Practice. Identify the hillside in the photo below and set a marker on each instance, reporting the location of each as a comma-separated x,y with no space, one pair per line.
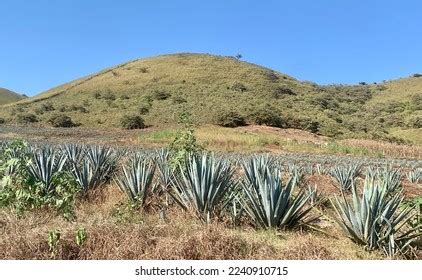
160,88
7,96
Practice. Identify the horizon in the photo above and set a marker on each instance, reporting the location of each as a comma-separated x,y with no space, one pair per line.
326,43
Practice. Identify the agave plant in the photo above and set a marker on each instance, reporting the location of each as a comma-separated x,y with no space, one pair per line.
73,152
316,198
137,179
46,163
269,202
375,220
321,169
85,175
95,168
257,165
414,176
390,178
296,171
165,171
371,175
203,184
345,175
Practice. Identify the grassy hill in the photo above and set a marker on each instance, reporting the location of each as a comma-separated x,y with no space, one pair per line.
7,96
218,89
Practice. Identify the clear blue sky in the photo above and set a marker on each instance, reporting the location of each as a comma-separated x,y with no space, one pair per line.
46,43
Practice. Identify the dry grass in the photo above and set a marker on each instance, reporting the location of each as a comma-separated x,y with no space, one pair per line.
267,139
387,149
146,236
179,239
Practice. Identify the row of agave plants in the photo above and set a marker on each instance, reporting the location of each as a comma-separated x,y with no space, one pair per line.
256,187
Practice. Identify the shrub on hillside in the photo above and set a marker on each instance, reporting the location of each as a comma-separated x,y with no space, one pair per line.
230,119
109,96
239,87
304,123
178,100
417,75
46,107
271,76
26,118
413,122
282,91
143,109
61,120
161,95
2,121
267,116
132,122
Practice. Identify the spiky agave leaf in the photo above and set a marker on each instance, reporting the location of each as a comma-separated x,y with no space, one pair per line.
137,179
103,160
85,175
374,219
95,168
269,202
345,175
73,152
202,185
165,170
257,165
415,175
46,162
390,178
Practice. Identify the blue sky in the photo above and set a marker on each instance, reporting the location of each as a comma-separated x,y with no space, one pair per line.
46,43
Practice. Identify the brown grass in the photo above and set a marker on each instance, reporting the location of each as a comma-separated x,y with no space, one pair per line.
387,149
146,236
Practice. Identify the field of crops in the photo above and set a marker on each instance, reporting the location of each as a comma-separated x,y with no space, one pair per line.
376,203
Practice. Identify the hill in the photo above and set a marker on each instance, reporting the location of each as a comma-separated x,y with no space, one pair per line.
218,90
7,96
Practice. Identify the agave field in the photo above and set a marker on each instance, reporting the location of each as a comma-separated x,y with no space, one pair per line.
261,191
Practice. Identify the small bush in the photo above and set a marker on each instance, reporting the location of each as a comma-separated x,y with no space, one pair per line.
271,76
132,122
230,119
79,108
61,120
304,123
143,109
161,95
239,87
2,121
109,96
178,100
414,122
417,75
143,70
267,116
282,91
26,118
46,107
